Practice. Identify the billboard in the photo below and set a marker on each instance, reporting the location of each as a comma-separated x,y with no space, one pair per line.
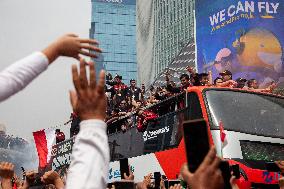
245,37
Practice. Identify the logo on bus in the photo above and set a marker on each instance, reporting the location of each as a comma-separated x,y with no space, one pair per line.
148,135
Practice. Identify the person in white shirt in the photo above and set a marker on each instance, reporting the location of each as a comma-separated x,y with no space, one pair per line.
21,73
90,155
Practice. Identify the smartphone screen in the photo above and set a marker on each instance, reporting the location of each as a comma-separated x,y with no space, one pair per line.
124,185
124,167
226,173
236,171
173,182
196,142
157,177
272,167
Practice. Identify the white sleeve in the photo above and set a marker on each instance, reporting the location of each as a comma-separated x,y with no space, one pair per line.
90,157
21,73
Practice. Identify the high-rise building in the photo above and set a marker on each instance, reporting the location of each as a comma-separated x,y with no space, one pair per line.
172,27
145,41
114,26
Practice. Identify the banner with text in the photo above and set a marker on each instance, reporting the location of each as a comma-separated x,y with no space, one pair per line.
244,37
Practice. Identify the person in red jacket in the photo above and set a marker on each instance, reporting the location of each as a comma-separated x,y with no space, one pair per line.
144,117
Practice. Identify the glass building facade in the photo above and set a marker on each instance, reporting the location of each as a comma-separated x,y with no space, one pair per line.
174,26
145,41
165,27
114,26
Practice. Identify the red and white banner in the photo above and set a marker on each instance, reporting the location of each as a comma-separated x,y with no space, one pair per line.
44,140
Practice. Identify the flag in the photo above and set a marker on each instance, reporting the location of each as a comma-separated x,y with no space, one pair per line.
44,140
222,132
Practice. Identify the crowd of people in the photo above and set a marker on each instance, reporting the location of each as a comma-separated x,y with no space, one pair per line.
12,143
95,108
130,105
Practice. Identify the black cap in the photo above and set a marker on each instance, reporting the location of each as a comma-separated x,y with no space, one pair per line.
118,76
225,72
240,79
203,74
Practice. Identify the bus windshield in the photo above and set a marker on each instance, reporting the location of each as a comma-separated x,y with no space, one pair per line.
244,112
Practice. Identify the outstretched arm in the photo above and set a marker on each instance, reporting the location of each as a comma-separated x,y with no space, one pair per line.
6,173
90,156
21,73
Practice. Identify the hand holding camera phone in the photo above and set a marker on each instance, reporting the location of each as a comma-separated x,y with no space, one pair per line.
124,167
197,146
157,177
33,178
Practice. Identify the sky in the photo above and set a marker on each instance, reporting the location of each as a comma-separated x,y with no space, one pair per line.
28,26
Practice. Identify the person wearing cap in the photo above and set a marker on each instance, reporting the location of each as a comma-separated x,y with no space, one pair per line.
227,79
241,83
226,75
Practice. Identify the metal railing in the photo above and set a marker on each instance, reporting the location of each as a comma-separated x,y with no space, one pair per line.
168,105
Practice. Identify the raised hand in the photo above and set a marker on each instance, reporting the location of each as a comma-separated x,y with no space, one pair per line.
280,164
6,173
89,99
147,180
52,177
191,70
208,175
130,177
71,45
167,74
6,170
176,186
232,82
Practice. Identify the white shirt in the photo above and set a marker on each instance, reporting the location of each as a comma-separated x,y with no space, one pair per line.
21,73
90,157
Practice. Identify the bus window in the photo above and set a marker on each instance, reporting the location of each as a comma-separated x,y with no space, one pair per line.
194,108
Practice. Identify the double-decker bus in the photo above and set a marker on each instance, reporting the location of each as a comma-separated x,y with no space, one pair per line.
252,121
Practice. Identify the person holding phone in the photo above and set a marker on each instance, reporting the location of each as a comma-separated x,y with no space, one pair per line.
207,175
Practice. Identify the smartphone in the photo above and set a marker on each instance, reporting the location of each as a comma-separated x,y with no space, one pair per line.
236,170
37,181
109,185
166,182
157,177
226,173
24,173
272,167
124,168
173,182
124,185
196,142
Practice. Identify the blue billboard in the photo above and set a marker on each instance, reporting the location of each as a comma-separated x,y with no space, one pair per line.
245,37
